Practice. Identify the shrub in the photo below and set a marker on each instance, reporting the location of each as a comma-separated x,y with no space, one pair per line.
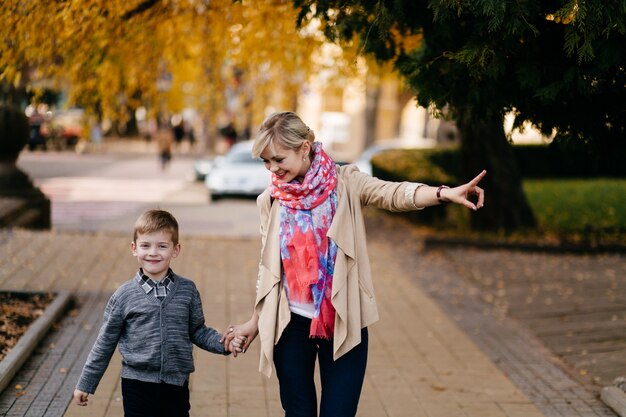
557,160
418,165
424,165
571,159
589,209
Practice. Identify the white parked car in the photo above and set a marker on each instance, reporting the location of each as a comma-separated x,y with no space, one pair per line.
202,167
364,162
237,173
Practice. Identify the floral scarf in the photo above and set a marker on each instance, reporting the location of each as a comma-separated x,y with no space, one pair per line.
308,255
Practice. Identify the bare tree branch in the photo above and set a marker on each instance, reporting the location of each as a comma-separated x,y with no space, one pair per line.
142,7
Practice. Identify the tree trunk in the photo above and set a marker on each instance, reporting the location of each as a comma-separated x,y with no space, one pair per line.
372,101
484,146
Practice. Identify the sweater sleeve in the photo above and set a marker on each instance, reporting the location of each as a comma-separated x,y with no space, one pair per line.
103,348
201,335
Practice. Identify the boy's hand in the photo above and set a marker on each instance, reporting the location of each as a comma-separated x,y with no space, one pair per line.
244,334
80,397
236,345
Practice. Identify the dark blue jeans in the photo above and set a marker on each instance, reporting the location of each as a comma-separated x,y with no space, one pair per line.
342,380
149,399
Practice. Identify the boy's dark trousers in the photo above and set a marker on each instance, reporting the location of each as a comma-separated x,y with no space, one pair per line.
149,399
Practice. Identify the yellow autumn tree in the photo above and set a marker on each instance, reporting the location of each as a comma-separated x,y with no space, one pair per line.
115,55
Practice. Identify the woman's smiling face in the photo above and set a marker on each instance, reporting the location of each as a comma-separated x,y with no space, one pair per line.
286,163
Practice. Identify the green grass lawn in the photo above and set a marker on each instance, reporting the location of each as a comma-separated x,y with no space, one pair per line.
579,208
590,211
575,211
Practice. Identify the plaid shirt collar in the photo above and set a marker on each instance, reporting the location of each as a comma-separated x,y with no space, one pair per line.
161,288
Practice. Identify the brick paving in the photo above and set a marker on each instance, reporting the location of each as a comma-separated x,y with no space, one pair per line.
426,359
574,303
497,296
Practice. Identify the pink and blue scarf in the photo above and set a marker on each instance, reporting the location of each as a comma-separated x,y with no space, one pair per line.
308,255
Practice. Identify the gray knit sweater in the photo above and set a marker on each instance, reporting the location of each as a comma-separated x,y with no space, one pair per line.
155,337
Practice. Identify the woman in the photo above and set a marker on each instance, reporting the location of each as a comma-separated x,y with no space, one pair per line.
315,297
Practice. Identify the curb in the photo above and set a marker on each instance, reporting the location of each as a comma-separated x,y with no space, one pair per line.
29,340
432,243
614,398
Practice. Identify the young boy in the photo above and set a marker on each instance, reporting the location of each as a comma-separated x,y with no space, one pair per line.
154,317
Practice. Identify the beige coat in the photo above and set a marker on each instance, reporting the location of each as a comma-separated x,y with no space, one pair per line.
352,292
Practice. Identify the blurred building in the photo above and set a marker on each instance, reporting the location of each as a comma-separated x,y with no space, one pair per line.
368,110
375,108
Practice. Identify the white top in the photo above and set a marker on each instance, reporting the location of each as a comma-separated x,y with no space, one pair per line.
302,309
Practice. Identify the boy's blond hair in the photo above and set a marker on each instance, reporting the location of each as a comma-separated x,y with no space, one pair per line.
156,221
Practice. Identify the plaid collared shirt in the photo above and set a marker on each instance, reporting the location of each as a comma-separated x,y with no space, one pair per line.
161,288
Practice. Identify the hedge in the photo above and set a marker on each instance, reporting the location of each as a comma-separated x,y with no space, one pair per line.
440,166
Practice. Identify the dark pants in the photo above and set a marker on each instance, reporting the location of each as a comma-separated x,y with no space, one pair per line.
294,359
149,399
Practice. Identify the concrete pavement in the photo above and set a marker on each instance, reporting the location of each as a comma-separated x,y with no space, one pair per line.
421,362
430,355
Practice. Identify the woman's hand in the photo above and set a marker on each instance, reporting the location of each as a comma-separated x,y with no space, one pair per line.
460,194
245,333
236,345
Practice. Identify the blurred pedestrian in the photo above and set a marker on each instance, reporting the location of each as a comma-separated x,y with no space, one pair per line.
178,128
190,135
96,135
229,133
155,317
164,145
315,297
36,122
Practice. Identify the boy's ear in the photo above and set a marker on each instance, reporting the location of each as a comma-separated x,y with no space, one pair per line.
176,250
133,248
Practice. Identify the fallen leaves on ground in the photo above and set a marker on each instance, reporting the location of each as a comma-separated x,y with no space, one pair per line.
18,311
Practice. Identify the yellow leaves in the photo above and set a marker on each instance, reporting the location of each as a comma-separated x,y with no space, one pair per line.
565,15
19,390
18,311
106,52
437,387
8,73
566,20
406,42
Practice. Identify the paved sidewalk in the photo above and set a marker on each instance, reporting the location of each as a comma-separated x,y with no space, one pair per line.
421,363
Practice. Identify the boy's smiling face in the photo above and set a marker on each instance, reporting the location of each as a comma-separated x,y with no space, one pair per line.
154,252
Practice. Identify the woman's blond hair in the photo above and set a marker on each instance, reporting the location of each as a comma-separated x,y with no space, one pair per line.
282,128
156,220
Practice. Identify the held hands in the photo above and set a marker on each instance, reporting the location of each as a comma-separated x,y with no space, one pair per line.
236,345
238,338
80,397
460,194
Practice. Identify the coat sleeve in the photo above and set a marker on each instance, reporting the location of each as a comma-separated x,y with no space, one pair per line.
387,195
264,204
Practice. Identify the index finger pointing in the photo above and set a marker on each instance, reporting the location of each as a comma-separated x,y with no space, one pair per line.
478,177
